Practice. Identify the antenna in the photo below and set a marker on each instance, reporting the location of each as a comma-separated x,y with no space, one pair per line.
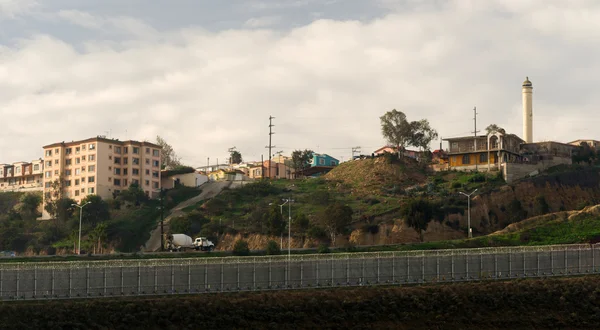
475,131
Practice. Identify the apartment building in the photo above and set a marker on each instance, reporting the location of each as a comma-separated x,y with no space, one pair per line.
102,167
22,176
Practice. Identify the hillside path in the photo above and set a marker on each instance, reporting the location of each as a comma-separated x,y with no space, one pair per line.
209,190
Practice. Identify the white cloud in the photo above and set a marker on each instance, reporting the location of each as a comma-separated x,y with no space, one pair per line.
14,8
261,22
326,83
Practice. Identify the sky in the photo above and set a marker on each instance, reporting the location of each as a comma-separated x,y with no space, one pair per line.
206,75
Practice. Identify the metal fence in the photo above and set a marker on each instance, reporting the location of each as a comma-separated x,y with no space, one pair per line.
53,280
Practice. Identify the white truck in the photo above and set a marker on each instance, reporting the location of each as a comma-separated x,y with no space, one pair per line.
179,242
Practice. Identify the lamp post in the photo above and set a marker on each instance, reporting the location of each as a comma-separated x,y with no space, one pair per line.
162,217
80,217
289,202
470,234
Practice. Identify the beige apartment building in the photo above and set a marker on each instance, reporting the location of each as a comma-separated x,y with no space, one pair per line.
22,176
102,167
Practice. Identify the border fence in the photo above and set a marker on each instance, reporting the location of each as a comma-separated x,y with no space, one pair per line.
77,279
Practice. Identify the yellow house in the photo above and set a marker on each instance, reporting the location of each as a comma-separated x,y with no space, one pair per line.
483,152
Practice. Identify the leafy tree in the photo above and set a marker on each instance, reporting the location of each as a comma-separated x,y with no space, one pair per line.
301,160
273,248
180,225
169,158
301,224
134,194
98,238
492,128
96,211
235,157
584,154
422,134
28,206
335,218
59,207
274,221
396,129
418,213
241,248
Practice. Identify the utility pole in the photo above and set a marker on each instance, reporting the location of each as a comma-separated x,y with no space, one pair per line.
475,131
354,150
270,146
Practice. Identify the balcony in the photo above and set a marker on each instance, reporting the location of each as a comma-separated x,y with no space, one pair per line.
463,149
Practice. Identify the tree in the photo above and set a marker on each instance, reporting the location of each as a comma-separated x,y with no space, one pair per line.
180,225
301,160
493,128
422,134
134,194
235,157
273,248
540,205
96,211
335,218
274,221
584,154
28,206
169,158
97,238
418,213
240,248
396,129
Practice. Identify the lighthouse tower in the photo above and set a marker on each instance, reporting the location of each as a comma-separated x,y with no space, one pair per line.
527,111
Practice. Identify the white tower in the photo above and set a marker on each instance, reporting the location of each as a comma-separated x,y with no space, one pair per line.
527,111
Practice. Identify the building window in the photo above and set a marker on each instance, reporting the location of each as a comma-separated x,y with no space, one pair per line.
90,190
67,172
155,153
77,192
483,158
36,167
49,163
83,181
136,150
125,161
148,150
321,161
147,182
77,171
77,149
48,153
134,181
76,182
125,150
68,151
135,171
83,147
155,163
117,150
125,172
83,169
92,158
56,151
67,183
77,160
48,184
117,171
154,184
67,162
91,179
117,182
83,158
117,160
466,160
55,172
147,161
124,182
333,163
109,157
92,146
136,161
48,174
147,172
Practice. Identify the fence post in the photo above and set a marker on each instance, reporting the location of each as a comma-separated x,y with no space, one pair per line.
593,261
423,267
173,276
551,261
35,280
538,263
524,259
2,282
238,274
467,265
393,267
87,279
362,274
139,277
566,261
301,271
579,260
222,284
317,261
332,279
189,276
480,265
510,263
206,286
437,266
70,286
347,268
270,272
407,269
155,279
51,279
452,263
254,274
121,268
18,273
104,279
285,274
378,272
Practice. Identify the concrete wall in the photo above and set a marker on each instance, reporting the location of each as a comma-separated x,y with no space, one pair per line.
187,179
515,171
50,280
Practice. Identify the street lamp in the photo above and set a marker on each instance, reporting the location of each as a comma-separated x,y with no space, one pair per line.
289,202
162,217
470,234
80,216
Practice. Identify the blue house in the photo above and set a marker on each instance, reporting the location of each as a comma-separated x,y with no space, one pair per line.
323,160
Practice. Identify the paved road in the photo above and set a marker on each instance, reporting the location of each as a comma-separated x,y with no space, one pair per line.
209,190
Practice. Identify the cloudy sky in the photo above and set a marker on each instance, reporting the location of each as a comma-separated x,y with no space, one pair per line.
206,75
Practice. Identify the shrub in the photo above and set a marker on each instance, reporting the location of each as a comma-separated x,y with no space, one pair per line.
316,232
541,206
456,184
241,248
323,248
273,248
478,177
